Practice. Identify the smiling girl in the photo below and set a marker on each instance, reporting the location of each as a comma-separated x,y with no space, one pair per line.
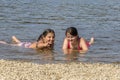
45,40
74,42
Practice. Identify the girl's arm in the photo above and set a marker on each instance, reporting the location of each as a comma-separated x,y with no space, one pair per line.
83,45
65,43
42,44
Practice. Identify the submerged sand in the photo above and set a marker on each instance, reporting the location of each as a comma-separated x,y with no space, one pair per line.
18,70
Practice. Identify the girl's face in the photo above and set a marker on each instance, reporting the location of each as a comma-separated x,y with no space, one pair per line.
71,38
49,38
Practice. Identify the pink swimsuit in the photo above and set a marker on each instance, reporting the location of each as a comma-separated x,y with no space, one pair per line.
79,48
25,44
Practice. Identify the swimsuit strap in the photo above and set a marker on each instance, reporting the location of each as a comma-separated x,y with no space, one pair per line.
68,45
79,48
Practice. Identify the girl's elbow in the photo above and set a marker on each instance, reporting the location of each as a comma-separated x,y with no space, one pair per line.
86,49
64,48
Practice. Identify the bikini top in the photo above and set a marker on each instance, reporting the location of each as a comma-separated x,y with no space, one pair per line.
79,48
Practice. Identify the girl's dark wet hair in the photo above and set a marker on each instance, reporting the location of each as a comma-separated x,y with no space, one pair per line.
72,30
44,34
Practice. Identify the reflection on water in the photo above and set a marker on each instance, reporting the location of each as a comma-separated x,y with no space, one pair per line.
47,54
28,18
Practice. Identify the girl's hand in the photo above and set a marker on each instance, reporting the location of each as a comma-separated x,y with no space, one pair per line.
46,44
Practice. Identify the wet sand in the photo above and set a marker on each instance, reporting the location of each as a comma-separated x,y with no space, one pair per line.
18,70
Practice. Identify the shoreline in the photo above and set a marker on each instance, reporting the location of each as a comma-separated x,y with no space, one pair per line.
18,70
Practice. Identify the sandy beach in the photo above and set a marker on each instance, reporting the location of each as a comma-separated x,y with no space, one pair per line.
18,70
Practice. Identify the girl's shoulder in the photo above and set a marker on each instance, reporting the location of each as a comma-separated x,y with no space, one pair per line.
81,39
65,40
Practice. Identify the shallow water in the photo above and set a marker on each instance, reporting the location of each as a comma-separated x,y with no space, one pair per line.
27,19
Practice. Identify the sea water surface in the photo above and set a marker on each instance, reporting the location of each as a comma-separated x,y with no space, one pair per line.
27,19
